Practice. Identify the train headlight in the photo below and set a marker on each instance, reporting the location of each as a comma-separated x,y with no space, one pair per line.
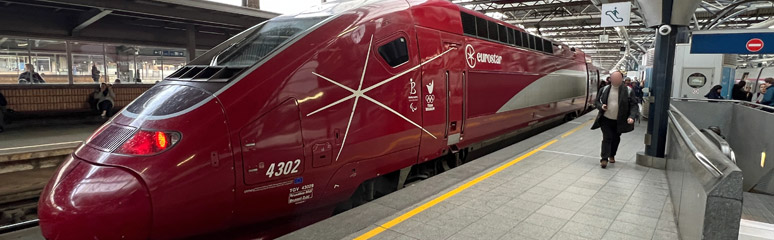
149,142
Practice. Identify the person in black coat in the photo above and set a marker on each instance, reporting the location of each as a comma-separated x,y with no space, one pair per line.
30,76
739,92
617,110
714,93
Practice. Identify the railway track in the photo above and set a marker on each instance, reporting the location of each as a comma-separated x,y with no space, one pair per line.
21,209
24,171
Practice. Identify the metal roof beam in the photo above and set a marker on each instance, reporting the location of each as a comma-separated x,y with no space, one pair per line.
89,17
549,6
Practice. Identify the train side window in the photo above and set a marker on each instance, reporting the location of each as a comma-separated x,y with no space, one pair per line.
468,23
526,39
493,31
395,52
517,37
503,33
481,28
539,43
548,46
532,41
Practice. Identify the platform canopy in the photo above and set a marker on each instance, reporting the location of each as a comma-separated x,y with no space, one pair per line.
168,23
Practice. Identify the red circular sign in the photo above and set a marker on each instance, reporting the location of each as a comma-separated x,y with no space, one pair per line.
754,45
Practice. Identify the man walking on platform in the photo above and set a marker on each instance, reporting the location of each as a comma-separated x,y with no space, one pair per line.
617,110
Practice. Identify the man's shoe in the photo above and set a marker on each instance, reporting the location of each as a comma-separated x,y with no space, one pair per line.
603,163
612,159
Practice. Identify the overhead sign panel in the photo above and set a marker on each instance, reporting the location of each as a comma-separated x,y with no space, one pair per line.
616,14
760,41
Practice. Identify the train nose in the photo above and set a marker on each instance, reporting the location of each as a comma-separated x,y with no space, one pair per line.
87,201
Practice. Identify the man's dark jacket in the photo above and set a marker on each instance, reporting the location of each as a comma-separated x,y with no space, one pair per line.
627,107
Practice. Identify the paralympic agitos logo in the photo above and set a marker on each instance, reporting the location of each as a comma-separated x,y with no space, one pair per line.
473,58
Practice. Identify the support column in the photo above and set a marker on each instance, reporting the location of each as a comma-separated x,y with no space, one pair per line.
191,46
69,51
663,64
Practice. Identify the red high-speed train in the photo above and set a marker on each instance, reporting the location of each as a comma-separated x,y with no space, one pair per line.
323,109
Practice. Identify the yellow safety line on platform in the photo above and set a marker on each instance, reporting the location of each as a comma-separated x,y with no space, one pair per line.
459,189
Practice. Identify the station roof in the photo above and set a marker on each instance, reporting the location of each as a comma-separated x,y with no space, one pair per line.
145,22
577,22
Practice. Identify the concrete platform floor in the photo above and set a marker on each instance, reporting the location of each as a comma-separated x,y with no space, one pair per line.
16,138
536,189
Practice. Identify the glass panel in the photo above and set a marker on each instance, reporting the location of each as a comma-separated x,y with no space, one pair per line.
493,31
149,69
264,40
88,62
538,43
395,52
525,39
153,64
503,33
481,27
50,60
14,55
517,37
548,47
121,65
510,36
468,23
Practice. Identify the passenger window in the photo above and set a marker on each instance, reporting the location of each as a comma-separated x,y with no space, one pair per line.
517,38
533,42
511,40
493,31
527,40
468,23
548,46
395,52
503,33
481,28
539,43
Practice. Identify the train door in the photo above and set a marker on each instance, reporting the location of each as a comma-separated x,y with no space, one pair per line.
442,91
455,80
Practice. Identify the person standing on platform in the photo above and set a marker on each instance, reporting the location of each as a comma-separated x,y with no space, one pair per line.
741,92
95,72
714,93
617,111
761,93
768,98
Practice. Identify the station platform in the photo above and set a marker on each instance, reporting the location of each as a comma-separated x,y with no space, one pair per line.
549,186
42,136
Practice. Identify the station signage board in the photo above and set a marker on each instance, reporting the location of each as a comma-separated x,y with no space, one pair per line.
760,41
616,14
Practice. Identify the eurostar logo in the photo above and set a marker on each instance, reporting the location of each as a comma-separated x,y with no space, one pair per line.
470,56
361,93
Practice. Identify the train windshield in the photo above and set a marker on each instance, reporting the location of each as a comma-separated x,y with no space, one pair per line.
263,40
258,42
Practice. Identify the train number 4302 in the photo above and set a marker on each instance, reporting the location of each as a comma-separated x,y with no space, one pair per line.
283,168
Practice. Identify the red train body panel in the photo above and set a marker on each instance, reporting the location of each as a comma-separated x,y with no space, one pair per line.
314,107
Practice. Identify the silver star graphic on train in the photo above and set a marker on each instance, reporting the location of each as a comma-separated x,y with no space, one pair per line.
361,93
